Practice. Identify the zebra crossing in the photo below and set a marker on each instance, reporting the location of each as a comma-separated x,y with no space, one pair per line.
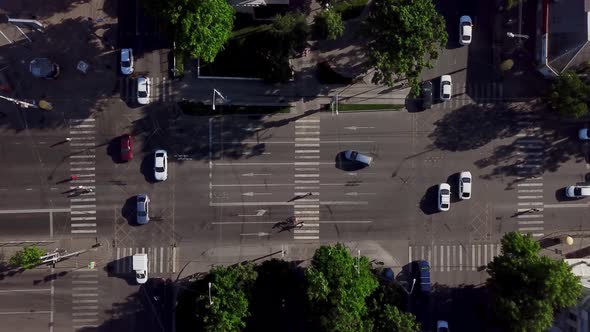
530,147
482,94
455,257
82,170
85,298
307,178
160,89
160,259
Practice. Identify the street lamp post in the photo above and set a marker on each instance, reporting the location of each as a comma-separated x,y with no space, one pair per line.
215,92
210,301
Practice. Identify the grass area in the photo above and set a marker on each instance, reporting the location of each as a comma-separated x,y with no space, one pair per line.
201,109
350,8
367,107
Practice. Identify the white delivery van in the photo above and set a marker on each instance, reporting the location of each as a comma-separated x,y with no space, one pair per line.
140,267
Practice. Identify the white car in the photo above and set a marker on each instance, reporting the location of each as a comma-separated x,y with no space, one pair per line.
583,134
143,90
355,156
161,165
446,87
465,30
444,197
126,61
442,326
465,182
577,191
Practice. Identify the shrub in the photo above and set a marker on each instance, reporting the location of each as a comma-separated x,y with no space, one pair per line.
328,24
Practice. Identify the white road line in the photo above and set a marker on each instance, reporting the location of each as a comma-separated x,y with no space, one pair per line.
82,120
82,200
83,212
303,132
306,231
82,156
307,206
85,307
84,282
84,181
83,138
530,222
575,205
25,290
307,169
442,253
84,294
82,314
307,188
84,288
84,231
530,190
307,212
288,203
307,157
460,259
82,162
530,185
85,301
410,254
83,206
25,312
307,145
307,127
307,181
307,163
530,197
307,151
33,211
538,234
81,132
307,139
473,257
527,166
296,237
82,218
528,216
85,175
530,203
308,218
307,121
83,225
82,169
305,193
307,175
82,144
525,229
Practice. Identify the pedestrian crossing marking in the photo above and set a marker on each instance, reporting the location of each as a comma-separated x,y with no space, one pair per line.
451,257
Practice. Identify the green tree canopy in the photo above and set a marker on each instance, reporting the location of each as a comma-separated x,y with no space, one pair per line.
230,291
384,311
529,288
200,27
404,36
27,258
328,24
338,285
569,95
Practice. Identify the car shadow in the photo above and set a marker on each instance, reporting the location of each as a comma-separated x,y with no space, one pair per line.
147,168
122,268
347,165
129,211
561,197
114,150
453,181
428,203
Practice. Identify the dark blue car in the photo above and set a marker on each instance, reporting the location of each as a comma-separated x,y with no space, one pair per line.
424,276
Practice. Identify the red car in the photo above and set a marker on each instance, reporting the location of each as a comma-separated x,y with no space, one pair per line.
126,147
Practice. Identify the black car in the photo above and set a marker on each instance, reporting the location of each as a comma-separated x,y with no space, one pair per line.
426,95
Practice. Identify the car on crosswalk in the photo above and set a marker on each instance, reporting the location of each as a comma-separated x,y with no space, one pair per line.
422,275
126,61
577,191
465,181
446,87
465,30
143,90
161,165
444,197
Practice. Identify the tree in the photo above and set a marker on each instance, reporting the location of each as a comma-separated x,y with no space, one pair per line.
27,258
230,291
404,37
569,95
385,314
290,32
337,288
529,288
328,24
200,27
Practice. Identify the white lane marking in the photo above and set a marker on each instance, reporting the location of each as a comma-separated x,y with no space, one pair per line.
306,231
530,190
307,127
82,138
82,169
460,259
83,225
83,212
473,257
530,203
81,156
82,144
85,307
311,206
84,231
85,301
303,132
82,120
288,142
530,222
85,175
84,181
287,203
525,229
538,234
307,145
527,216
307,157
307,139
25,290
82,218
307,169
307,181
307,151
85,288
85,282
308,218
33,211
307,175
25,312
529,209
307,188
296,237
307,212
530,197
76,132
82,200
303,193
530,185
307,120
576,205
82,162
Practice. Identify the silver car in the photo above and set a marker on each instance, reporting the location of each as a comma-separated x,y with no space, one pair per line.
356,156
126,61
143,90
143,209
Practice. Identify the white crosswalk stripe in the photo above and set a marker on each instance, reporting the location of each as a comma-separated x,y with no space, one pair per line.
455,257
160,259
81,144
478,93
85,297
160,89
306,207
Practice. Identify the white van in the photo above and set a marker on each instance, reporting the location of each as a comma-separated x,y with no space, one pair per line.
140,267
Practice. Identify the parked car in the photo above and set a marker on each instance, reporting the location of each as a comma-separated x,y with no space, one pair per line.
465,182
126,61
126,147
426,95
359,157
444,197
465,30
143,209
577,191
583,134
423,276
44,68
442,326
143,90
446,87
160,165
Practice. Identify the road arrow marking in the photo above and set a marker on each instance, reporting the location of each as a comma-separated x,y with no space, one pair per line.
255,194
354,193
259,213
356,128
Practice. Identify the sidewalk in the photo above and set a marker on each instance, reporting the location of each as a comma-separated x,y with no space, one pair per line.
391,253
